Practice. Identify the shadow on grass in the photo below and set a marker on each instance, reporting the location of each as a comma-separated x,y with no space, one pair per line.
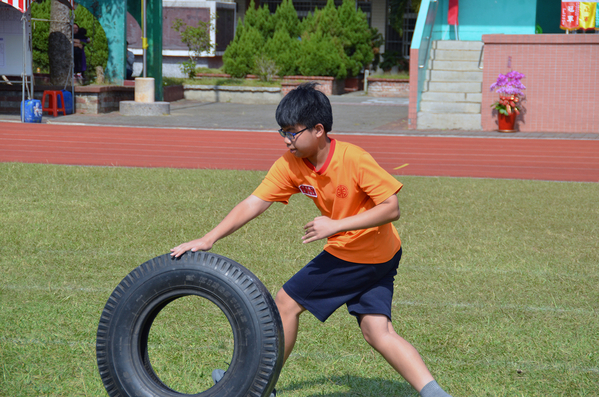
356,385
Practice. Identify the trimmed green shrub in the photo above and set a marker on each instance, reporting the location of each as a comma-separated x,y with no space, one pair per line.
321,55
284,50
286,18
330,42
260,19
239,59
356,37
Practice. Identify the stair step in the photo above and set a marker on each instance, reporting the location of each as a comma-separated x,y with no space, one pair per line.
457,45
449,55
450,107
452,97
455,76
470,66
449,121
435,86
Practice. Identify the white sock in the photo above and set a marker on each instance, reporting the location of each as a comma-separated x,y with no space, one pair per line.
432,389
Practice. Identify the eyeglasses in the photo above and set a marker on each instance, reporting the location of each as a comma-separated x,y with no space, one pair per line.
291,135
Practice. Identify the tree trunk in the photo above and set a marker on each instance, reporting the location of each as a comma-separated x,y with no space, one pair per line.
60,45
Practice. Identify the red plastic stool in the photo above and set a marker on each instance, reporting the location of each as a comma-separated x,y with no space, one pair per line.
52,107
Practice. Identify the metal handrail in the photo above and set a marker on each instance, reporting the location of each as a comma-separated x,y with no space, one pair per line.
480,58
430,21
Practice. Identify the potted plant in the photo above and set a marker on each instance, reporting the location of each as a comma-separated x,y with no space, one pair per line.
509,87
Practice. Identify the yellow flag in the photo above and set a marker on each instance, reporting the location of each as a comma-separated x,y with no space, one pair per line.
587,15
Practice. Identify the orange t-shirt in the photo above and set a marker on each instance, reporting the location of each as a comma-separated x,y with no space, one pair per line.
349,183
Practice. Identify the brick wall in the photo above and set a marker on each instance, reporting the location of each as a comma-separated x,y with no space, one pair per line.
101,99
388,87
562,80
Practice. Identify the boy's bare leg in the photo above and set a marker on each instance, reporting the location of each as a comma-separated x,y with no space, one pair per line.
290,311
403,357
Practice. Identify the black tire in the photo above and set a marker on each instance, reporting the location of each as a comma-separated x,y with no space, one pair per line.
122,338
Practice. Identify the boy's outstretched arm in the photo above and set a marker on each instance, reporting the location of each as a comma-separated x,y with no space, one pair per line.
243,212
323,227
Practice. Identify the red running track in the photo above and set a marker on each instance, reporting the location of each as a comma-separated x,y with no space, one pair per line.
540,159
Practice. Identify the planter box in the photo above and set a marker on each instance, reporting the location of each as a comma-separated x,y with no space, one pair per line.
173,93
327,85
92,99
233,94
388,87
353,84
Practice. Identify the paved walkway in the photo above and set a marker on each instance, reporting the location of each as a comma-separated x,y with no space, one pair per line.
353,113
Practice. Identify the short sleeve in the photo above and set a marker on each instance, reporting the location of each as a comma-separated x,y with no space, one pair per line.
277,186
377,183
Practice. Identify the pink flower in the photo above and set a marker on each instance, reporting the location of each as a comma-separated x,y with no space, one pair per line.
509,84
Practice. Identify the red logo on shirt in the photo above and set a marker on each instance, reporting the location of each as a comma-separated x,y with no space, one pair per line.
308,190
342,191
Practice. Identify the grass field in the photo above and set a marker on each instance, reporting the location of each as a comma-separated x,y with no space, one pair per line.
498,287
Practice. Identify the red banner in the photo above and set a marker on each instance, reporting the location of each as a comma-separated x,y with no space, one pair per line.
570,15
579,15
452,13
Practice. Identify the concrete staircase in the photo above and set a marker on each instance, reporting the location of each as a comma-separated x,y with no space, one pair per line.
452,94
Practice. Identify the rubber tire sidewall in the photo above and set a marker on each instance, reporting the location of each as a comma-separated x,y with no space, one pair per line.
128,315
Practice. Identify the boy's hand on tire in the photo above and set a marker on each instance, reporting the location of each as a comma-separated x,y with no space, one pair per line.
200,244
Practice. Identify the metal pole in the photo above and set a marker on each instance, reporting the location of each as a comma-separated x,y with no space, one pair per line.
73,61
24,70
144,39
30,46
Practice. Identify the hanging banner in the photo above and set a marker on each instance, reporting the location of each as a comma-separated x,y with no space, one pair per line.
579,15
452,12
587,15
23,5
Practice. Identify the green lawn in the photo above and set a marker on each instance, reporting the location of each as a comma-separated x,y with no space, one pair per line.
498,287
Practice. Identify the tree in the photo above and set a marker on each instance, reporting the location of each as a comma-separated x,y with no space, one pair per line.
260,19
60,45
284,50
321,55
239,58
40,35
197,40
397,11
285,17
356,37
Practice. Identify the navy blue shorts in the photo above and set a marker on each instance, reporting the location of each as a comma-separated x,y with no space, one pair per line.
327,282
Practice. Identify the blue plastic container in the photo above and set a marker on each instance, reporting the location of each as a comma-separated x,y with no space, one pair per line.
32,111
68,101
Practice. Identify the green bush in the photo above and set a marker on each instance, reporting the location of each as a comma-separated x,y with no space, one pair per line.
286,18
284,50
239,59
356,37
334,41
321,55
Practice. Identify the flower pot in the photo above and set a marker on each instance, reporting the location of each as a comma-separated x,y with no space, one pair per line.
506,123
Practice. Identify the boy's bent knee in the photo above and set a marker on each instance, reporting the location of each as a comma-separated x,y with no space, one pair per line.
287,305
374,327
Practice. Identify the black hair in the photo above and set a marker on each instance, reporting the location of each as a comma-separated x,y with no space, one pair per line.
306,106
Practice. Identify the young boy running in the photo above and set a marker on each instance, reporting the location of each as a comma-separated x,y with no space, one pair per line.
358,202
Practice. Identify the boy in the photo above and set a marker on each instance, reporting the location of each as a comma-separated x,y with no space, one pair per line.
358,202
